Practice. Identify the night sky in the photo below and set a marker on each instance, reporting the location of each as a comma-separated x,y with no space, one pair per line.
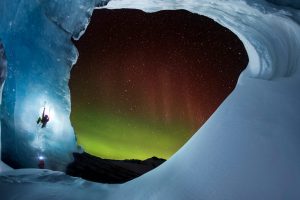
145,83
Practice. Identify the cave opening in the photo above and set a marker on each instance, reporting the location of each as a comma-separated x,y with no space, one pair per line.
144,83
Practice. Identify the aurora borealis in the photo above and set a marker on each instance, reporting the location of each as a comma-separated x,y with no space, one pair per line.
145,83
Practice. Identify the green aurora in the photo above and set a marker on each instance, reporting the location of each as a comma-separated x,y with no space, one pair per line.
137,138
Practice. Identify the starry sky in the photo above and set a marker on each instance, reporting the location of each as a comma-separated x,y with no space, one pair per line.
145,83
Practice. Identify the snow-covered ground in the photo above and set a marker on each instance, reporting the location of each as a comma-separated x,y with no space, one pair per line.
248,149
36,184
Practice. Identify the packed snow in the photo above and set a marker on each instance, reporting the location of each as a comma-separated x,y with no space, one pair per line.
248,149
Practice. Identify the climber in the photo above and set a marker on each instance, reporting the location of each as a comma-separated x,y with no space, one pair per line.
43,120
41,163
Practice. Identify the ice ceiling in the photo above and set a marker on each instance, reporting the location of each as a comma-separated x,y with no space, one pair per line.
248,149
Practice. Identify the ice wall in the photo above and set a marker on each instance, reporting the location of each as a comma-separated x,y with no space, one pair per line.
37,38
3,70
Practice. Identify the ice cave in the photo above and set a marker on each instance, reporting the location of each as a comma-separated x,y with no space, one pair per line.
248,149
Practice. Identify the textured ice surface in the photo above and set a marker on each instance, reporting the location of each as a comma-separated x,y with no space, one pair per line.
248,149
3,70
37,38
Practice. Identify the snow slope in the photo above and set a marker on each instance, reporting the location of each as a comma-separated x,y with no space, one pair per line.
248,149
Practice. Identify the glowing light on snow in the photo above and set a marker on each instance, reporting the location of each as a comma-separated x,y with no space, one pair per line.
41,157
30,110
